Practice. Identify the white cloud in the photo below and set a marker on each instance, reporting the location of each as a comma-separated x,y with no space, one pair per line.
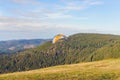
37,19
57,15
24,2
26,25
79,4
18,24
54,11
93,2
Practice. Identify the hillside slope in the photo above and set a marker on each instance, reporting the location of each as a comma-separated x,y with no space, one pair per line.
77,48
109,51
99,70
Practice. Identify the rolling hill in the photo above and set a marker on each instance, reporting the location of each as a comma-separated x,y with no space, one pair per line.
77,48
13,46
98,70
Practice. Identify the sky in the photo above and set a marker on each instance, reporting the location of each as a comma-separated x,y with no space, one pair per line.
36,19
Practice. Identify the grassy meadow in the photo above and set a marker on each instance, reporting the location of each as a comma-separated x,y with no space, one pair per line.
98,70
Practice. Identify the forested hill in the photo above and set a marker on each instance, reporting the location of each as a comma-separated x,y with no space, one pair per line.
77,48
98,70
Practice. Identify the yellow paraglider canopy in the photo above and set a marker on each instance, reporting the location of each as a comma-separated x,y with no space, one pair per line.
57,37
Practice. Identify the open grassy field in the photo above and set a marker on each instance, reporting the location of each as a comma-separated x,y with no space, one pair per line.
98,70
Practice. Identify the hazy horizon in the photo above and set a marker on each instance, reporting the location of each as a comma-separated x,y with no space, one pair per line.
43,19
53,36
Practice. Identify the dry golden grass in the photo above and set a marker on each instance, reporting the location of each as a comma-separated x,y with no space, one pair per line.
99,70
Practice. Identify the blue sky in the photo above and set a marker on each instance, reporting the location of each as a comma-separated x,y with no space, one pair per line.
29,19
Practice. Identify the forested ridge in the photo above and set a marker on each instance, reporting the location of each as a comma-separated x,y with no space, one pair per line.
77,48
98,70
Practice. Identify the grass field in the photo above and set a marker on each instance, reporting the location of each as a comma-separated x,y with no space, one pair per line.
99,70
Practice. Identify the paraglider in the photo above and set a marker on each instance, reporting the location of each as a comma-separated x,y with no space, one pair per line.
58,37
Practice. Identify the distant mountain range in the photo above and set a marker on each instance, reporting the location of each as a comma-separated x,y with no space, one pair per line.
14,46
77,48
